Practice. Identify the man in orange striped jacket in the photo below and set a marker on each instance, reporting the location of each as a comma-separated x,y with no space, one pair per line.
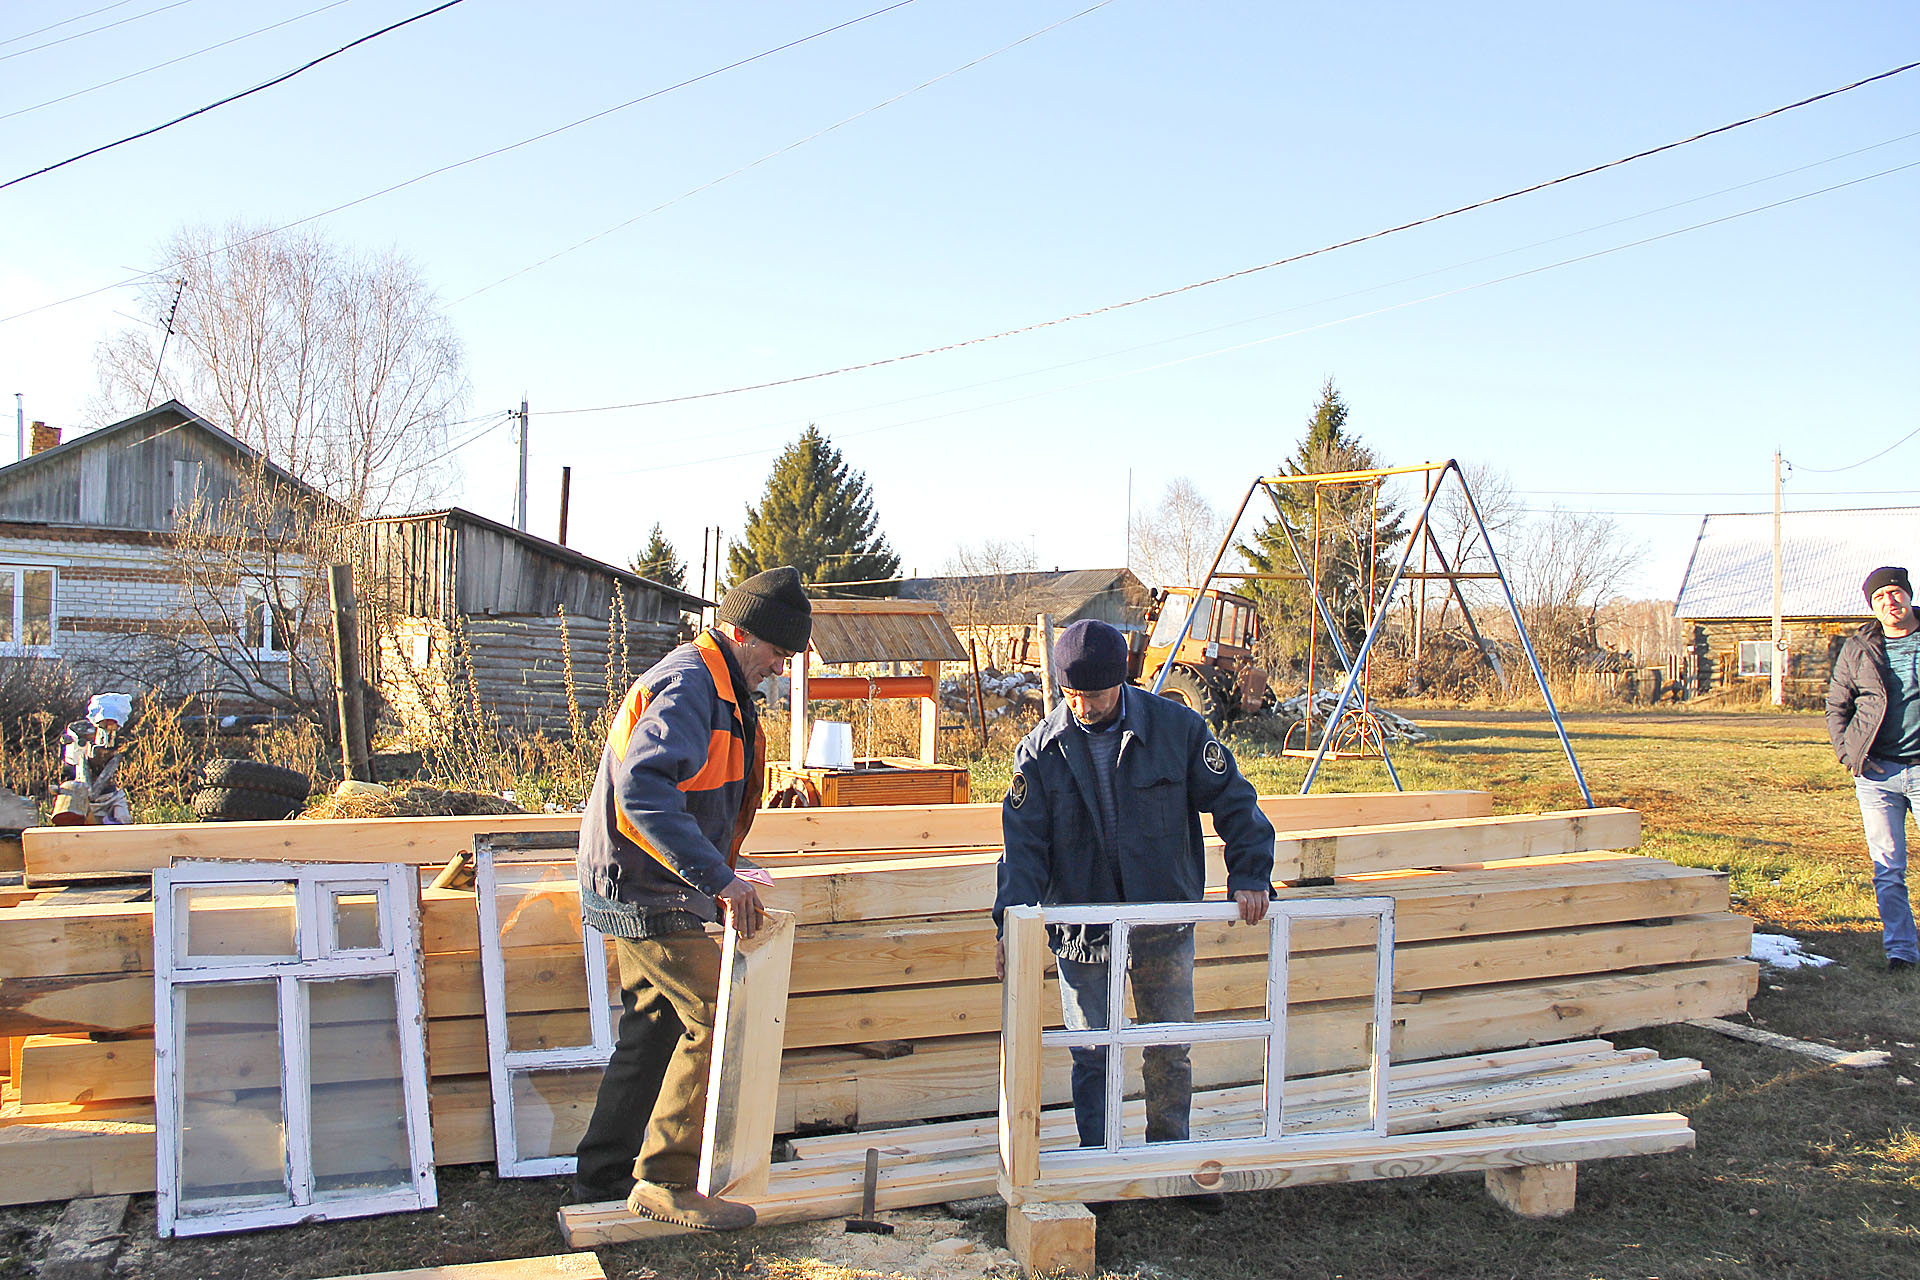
678,784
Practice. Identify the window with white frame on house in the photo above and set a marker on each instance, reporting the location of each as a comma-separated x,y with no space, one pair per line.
27,618
1756,657
262,623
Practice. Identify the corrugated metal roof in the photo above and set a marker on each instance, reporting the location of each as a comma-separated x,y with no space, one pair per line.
883,631
1825,555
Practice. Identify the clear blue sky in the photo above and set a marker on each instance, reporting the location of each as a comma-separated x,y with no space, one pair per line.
1137,148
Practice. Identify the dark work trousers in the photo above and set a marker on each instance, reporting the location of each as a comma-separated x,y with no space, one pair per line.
652,1103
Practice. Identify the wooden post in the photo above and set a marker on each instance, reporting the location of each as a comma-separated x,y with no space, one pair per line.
979,698
566,494
346,673
1046,661
744,1080
1024,936
930,715
797,709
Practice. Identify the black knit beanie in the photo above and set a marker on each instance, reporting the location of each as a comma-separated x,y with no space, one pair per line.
772,606
1090,656
1887,575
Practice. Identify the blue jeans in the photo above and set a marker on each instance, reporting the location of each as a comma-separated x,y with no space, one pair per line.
1887,794
1161,969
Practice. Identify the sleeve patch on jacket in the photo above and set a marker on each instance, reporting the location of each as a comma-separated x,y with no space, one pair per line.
1017,790
1214,756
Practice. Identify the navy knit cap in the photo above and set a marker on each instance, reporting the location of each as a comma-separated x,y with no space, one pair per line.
773,606
1887,575
1090,656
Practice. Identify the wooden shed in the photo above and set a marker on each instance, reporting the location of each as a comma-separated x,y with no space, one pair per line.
1725,603
997,611
469,610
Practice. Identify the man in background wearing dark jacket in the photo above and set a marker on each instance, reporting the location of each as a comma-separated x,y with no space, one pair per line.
1105,806
678,784
1873,717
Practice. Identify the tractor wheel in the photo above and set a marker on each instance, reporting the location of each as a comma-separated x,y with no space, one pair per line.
1189,690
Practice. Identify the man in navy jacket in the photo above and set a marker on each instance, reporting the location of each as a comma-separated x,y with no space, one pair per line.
1105,806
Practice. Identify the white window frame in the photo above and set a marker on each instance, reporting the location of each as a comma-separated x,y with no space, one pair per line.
264,593
1763,651
398,957
1272,1027
502,1062
18,569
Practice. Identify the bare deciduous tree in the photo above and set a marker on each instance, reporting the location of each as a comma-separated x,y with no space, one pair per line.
1174,543
1457,533
337,366
984,579
1566,566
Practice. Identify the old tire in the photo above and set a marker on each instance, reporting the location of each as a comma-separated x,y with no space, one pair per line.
255,775
1189,690
243,804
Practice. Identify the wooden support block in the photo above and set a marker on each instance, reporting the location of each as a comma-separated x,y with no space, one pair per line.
1049,1239
559,1266
743,1090
1535,1191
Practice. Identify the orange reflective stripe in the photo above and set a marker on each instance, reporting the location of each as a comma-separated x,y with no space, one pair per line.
716,667
726,762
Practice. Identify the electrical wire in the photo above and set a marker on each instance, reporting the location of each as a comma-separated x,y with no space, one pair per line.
1247,271
459,164
28,35
1294,333
771,155
1873,457
158,66
200,111
90,31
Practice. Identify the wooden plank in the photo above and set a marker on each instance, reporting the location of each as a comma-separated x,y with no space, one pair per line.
56,855
1141,1174
1020,1058
558,1266
1051,1239
744,1084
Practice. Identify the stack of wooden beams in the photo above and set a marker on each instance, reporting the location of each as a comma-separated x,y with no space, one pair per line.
1509,931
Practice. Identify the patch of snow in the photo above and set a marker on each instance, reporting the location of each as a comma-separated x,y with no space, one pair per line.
1781,952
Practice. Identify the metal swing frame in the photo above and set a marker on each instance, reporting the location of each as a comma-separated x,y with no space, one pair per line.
1364,728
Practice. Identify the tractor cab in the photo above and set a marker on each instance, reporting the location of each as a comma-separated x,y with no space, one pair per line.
1213,669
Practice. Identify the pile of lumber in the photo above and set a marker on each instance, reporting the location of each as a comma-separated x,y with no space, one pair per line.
1510,931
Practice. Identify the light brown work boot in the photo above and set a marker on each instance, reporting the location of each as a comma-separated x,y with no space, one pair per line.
685,1207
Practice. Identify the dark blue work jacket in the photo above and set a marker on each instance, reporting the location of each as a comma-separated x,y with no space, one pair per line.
1170,769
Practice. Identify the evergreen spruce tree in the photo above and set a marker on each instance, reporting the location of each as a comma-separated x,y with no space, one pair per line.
659,562
1350,534
817,515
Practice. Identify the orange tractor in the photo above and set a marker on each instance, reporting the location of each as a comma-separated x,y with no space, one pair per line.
1213,671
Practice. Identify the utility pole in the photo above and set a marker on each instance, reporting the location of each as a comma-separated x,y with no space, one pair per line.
566,494
520,500
20,422
1779,661
705,529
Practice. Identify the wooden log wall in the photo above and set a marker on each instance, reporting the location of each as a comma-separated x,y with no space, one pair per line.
1496,950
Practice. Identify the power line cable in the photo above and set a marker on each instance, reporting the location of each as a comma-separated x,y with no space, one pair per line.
92,30
52,26
1294,333
771,155
458,164
1874,457
1247,271
280,79
158,66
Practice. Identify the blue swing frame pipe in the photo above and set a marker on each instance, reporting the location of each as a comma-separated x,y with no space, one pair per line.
1526,642
1326,620
1186,625
1373,633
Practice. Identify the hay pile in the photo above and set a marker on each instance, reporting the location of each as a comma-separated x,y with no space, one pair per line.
416,801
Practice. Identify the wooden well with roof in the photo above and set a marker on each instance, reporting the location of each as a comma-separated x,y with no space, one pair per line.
868,633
